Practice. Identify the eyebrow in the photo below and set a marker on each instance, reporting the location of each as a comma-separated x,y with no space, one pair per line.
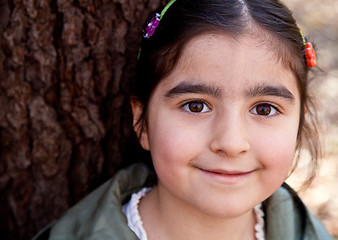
185,88
267,90
259,90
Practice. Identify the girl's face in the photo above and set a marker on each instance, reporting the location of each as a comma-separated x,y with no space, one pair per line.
222,127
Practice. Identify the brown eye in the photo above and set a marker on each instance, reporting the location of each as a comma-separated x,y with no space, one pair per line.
196,107
264,109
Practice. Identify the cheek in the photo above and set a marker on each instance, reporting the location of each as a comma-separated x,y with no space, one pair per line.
172,146
169,144
277,151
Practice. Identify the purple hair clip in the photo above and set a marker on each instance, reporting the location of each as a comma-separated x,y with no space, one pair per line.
152,25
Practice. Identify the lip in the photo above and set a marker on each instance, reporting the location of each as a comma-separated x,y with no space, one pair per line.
227,176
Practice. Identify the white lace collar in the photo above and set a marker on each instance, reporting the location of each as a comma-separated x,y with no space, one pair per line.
130,209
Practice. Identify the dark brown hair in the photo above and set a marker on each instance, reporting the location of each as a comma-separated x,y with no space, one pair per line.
186,19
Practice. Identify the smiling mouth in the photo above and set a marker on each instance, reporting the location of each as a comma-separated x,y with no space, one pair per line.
227,176
223,172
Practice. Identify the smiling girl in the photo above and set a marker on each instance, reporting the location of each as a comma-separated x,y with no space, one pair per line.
220,101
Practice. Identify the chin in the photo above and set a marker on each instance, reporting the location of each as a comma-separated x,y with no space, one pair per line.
226,211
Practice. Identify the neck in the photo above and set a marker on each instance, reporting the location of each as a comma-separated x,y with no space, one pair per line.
167,218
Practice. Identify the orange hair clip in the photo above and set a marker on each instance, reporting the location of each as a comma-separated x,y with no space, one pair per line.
309,53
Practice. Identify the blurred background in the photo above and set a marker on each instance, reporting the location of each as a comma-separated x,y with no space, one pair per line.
65,70
318,20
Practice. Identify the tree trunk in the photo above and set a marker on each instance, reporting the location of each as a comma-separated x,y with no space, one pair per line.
65,67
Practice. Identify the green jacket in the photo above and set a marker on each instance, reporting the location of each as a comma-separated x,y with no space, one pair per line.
99,215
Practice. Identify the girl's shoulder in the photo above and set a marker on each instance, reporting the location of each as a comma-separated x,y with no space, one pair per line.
99,215
288,218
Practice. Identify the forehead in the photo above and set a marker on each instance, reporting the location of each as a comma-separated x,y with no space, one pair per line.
223,59
226,46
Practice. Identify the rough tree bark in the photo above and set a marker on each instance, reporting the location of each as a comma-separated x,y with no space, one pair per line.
64,70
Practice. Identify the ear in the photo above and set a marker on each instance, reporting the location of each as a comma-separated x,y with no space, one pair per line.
139,128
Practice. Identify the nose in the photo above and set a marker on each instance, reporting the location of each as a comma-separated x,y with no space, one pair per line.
230,136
